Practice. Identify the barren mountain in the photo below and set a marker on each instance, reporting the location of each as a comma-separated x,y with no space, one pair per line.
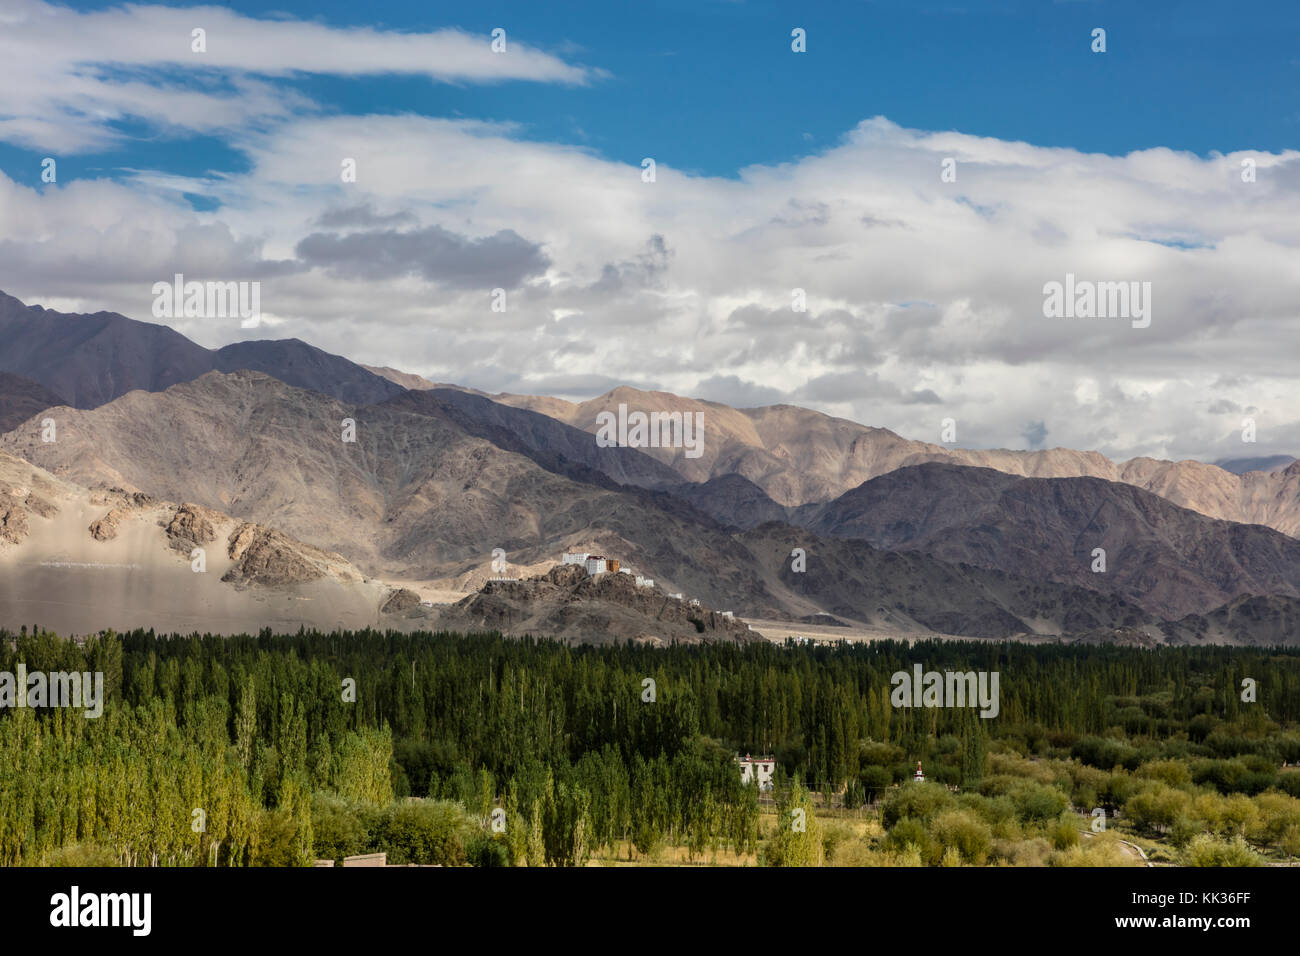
734,501
1169,560
556,447
914,592
304,366
93,359
415,496
419,497
798,456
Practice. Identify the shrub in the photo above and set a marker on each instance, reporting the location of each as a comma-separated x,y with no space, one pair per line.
1034,852
1184,830
426,831
80,854
1206,850
911,834
1290,842
920,801
1102,752
1094,852
1172,773
964,832
1063,834
1289,782
1036,803
338,829
1157,809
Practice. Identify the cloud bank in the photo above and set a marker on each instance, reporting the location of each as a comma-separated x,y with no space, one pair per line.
922,299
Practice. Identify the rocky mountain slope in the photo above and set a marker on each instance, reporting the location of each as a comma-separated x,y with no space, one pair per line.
913,592
1255,620
1168,560
798,456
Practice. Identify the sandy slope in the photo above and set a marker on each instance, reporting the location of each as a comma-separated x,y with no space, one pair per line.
60,577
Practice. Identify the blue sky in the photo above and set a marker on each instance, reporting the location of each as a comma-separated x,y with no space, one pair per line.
712,86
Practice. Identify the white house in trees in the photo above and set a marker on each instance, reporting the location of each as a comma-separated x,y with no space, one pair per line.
757,768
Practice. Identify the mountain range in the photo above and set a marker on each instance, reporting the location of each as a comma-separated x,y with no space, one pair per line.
414,485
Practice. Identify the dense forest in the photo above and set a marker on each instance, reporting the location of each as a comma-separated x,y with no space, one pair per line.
439,748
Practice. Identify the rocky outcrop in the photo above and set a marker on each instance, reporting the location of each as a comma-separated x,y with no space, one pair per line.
123,501
269,558
13,519
192,526
38,505
400,601
105,529
566,603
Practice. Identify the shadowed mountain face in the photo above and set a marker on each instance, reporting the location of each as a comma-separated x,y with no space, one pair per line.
734,501
557,447
1169,560
304,366
21,399
914,591
93,359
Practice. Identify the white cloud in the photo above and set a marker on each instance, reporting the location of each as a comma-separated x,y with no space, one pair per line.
67,77
924,297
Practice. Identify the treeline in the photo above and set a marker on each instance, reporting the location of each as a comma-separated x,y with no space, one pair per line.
296,746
